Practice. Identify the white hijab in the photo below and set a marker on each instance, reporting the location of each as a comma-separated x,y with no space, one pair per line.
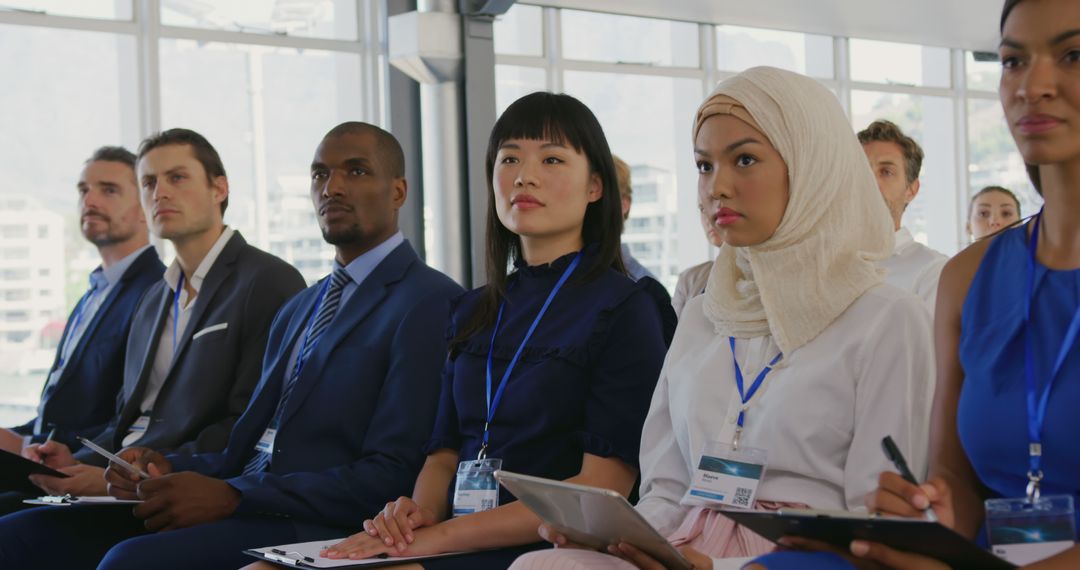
822,256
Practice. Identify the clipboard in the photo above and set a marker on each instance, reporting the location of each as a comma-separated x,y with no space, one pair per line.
839,529
68,500
14,470
306,555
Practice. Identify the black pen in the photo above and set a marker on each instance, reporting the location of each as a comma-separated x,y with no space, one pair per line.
892,453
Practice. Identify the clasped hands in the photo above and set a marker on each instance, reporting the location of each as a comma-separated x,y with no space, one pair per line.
402,528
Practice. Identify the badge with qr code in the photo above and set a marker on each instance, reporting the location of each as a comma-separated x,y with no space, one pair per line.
726,476
476,488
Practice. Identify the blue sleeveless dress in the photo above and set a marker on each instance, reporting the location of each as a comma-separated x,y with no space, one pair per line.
992,416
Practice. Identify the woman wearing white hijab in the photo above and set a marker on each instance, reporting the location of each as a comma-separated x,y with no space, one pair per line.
794,290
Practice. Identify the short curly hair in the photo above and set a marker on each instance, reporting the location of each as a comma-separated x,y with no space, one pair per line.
887,131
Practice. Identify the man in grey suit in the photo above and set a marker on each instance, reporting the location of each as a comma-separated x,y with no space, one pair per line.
197,337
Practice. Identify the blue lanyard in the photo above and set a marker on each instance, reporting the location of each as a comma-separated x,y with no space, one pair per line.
745,395
300,358
1036,403
492,405
80,312
176,310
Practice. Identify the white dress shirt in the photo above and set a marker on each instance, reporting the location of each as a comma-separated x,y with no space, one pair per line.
914,268
165,350
820,415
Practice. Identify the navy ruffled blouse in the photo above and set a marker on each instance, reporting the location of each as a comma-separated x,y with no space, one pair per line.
583,383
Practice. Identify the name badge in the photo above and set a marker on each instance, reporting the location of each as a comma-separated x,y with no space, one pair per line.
266,442
1025,531
726,476
476,488
140,425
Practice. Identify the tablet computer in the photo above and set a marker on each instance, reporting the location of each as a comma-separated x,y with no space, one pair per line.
591,516
839,529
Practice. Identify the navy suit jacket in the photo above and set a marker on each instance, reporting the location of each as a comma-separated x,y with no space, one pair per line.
216,365
352,433
83,400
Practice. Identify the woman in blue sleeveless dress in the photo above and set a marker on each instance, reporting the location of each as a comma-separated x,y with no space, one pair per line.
985,332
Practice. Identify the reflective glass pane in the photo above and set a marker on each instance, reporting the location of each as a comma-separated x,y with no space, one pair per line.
932,217
619,39
75,92
520,31
994,160
512,82
101,9
265,110
333,19
903,64
982,75
647,124
739,48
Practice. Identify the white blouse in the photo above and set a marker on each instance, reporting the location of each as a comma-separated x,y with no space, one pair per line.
820,414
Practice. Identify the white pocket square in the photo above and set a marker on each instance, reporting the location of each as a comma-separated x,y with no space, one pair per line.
210,329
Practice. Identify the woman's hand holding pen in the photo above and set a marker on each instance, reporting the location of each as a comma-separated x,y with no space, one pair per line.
897,497
397,521
124,485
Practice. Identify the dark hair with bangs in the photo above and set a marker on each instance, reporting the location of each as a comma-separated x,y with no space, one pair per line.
562,119
1032,169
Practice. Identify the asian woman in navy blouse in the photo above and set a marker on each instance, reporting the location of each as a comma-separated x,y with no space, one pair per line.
578,389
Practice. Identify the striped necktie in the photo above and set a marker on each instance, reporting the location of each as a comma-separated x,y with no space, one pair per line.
317,327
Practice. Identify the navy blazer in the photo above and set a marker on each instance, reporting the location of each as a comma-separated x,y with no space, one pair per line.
216,365
83,400
352,433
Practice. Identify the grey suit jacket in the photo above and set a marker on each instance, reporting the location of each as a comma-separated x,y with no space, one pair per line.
214,373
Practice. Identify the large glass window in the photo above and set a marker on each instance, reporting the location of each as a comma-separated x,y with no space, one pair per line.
264,101
619,39
333,19
75,91
656,145
520,31
100,9
513,82
739,48
265,110
900,64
